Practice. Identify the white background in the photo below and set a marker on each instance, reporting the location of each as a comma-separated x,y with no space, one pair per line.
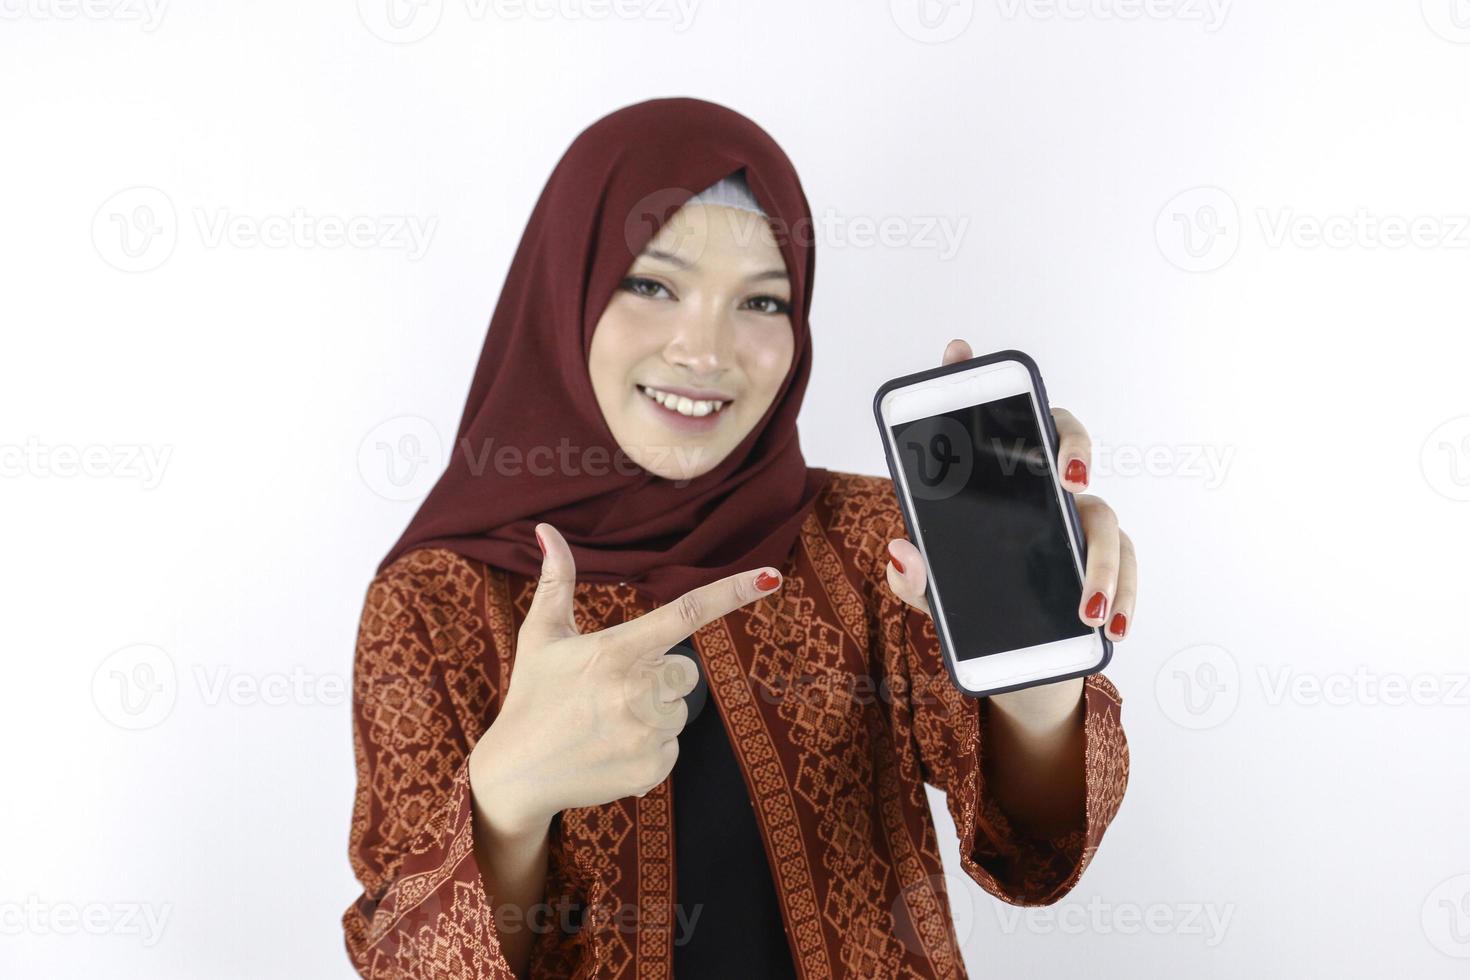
1302,520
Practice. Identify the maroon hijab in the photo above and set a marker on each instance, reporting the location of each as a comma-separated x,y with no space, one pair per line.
532,443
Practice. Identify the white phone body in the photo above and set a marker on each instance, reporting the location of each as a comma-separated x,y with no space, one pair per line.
961,386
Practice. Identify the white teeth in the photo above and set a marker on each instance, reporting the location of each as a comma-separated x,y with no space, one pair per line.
682,405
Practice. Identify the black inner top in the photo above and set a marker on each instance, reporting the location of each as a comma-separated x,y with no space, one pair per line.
728,920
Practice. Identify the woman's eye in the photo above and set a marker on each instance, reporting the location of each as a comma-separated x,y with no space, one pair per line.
640,286
769,305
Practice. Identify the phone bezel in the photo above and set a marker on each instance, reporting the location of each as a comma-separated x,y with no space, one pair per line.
999,672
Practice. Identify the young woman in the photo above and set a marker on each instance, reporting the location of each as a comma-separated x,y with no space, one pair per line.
544,788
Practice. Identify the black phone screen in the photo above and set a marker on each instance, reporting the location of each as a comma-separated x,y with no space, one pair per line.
992,526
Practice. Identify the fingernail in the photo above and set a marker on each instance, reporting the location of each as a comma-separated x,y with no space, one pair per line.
765,581
1077,472
896,564
1119,625
541,544
1097,605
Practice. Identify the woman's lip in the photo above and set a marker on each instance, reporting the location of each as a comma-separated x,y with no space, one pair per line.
684,423
694,394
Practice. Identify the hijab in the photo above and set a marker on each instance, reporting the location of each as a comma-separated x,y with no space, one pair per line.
532,443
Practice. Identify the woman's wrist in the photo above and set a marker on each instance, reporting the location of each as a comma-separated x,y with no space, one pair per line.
507,819
1042,708
505,805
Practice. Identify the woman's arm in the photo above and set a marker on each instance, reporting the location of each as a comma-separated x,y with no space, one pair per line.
511,851
416,841
1032,778
412,835
1031,801
1036,766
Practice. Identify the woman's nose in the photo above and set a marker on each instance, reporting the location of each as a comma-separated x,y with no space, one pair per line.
700,341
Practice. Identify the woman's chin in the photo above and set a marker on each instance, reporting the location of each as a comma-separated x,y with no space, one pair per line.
675,456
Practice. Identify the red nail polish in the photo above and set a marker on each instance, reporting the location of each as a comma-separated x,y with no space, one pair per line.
1097,605
1119,625
1077,472
896,564
765,581
541,544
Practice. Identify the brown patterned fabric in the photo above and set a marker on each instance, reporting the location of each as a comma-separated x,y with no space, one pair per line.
839,709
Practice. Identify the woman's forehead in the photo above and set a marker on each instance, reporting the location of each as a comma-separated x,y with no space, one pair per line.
700,234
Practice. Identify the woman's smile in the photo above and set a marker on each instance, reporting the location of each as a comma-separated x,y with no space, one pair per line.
677,408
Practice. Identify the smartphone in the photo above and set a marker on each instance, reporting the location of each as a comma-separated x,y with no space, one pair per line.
972,449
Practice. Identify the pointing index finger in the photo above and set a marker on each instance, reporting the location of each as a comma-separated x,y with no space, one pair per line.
668,624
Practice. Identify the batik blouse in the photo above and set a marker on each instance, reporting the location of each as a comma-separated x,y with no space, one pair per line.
838,707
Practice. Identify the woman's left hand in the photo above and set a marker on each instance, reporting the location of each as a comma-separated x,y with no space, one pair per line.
1111,579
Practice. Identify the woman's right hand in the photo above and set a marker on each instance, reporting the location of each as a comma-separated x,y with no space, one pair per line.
591,718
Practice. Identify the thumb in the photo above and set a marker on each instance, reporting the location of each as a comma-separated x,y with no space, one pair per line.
550,616
957,350
907,576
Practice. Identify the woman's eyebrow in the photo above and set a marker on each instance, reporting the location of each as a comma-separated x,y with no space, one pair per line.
671,258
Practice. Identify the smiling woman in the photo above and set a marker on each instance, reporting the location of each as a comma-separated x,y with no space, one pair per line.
677,717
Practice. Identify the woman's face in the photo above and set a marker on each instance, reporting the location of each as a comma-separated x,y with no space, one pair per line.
695,342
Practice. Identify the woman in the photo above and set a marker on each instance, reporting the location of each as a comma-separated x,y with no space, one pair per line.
544,789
